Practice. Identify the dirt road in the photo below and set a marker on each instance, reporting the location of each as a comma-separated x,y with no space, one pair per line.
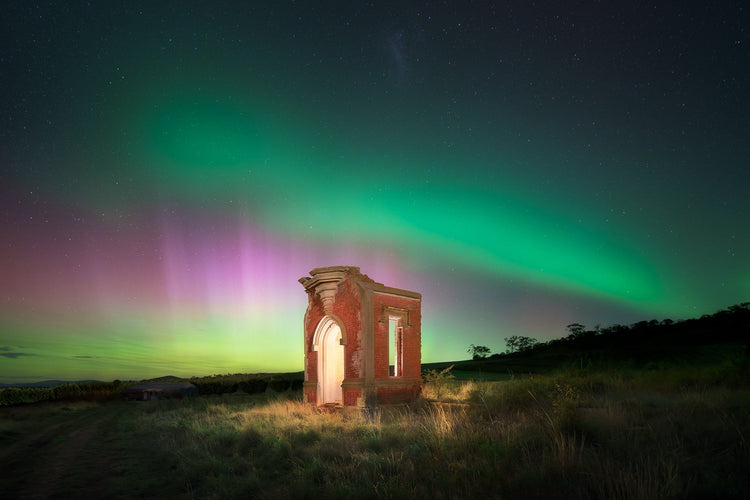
55,450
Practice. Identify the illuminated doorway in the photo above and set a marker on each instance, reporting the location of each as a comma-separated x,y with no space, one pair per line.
330,361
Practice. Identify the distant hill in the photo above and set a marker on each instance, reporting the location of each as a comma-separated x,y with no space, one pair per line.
647,344
166,378
56,383
51,383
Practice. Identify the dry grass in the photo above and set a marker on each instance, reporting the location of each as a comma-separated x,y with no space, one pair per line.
616,435
574,435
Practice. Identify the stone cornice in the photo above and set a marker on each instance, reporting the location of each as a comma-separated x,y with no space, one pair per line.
325,282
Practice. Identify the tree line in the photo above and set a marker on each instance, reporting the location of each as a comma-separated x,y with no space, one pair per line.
730,326
106,391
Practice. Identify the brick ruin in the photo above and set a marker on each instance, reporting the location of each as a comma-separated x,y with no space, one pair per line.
362,340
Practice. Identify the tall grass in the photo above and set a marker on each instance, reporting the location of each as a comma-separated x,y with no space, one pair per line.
661,434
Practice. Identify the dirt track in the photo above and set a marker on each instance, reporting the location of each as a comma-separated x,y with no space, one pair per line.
54,455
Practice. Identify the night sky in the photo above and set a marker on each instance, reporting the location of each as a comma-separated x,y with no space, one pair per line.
168,170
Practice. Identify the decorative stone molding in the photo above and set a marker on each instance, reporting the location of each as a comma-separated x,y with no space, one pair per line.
325,281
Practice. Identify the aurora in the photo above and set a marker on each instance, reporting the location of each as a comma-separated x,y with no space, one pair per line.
170,171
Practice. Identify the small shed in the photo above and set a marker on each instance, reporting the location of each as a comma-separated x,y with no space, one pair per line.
144,391
362,340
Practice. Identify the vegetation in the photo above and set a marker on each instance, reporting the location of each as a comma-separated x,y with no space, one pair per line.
98,391
666,432
101,391
519,343
478,351
438,380
644,344
247,383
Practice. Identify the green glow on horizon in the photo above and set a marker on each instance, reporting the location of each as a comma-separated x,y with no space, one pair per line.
183,348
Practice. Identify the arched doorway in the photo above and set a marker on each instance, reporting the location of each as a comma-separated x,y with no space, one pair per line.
328,342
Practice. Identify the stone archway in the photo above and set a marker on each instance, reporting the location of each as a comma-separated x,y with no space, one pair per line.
328,342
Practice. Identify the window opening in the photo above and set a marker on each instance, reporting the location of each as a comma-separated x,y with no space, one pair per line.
395,347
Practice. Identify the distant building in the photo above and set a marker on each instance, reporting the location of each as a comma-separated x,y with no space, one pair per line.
362,340
159,390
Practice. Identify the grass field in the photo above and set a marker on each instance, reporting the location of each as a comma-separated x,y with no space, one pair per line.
677,432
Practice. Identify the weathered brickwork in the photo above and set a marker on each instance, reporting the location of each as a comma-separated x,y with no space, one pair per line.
344,303
411,349
309,392
346,309
396,395
351,396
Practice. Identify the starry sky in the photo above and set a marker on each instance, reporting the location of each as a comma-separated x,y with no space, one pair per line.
169,170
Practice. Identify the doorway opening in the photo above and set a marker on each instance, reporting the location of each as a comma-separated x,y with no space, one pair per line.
328,338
